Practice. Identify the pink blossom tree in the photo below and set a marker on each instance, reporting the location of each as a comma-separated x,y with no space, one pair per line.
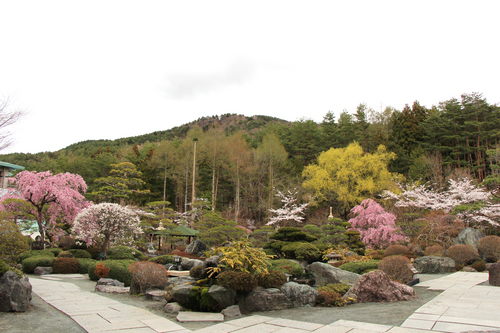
377,227
290,211
106,223
52,200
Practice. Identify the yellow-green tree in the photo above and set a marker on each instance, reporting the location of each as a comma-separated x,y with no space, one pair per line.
348,175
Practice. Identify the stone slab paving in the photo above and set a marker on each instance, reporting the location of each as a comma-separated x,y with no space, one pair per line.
464,305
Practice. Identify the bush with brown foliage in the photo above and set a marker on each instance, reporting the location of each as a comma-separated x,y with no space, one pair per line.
396,250
463,254
101,271
434,250
489,248
271,279
397,267
479,265
239,281
66,266
330,298
439,229
147,275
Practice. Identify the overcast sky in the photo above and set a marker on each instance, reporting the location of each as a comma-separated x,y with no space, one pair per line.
110,69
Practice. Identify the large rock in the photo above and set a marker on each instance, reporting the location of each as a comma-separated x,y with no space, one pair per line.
196,247
225,297
231,312
43,270
102,288
15,293
469,236
180,293
173,307
376,286
187,263
325,274
264,300
109,282
299,294
156,295
434,265
494,274
178,280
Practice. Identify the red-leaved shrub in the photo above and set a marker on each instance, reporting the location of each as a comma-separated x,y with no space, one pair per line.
65,266
101,271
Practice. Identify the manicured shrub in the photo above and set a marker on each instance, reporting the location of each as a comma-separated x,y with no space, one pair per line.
463,254
375,255
118,270
305,251
196,272
94,252
434,250
4,268
54,250
65,254
63,265
272,279
120,253
397,267
34,253
287,267
29,264
360,267
84,264
101,271
79,253
396,250
340,288
479,265
146,275
165,259
330,298
489,248
239,281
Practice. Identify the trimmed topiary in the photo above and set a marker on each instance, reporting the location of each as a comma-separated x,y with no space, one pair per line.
286,266
272,279
65,254
118,270
479,265
146,275
396,250
463,254
34,253
360,267
84,264
489,248
196,272
397,267
29,264
65,265
434,250
163,260
79,253
241,282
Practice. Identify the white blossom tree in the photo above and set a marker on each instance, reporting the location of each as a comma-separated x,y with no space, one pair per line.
106,223
290,211
471,203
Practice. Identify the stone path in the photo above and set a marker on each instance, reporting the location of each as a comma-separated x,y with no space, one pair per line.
463,306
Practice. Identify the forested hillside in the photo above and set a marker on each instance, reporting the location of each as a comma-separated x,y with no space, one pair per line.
240,162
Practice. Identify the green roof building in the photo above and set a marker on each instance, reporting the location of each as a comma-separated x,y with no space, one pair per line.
5,173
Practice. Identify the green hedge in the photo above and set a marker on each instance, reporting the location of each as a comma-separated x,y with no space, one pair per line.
361,267
286,266
118,270
79,253
36,253
84,264
4,268
66,266
163,260
29,264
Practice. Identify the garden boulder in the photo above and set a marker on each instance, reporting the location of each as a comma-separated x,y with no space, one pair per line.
180,293
299,294
325,274
376,286
494,274
264,300
43,270
434,265
196,247
469,236
187,263
15,293
224,296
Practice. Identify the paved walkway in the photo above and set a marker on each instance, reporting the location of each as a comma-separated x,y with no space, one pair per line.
463,306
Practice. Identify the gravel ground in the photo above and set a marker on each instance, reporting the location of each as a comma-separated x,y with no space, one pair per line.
42,317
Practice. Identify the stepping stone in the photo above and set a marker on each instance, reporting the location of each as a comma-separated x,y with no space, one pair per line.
178,273
156,295
186,316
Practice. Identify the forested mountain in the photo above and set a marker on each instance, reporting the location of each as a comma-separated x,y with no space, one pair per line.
241,161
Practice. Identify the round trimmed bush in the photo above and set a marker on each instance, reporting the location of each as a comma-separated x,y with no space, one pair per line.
84,264
360,267
396,250
29,264
65,254
397,267
479,265
273,279
463,254
489,248
79,253
434,250
196,272
34,253
118,270
147,275
287,267
239,281
62,265
164,259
